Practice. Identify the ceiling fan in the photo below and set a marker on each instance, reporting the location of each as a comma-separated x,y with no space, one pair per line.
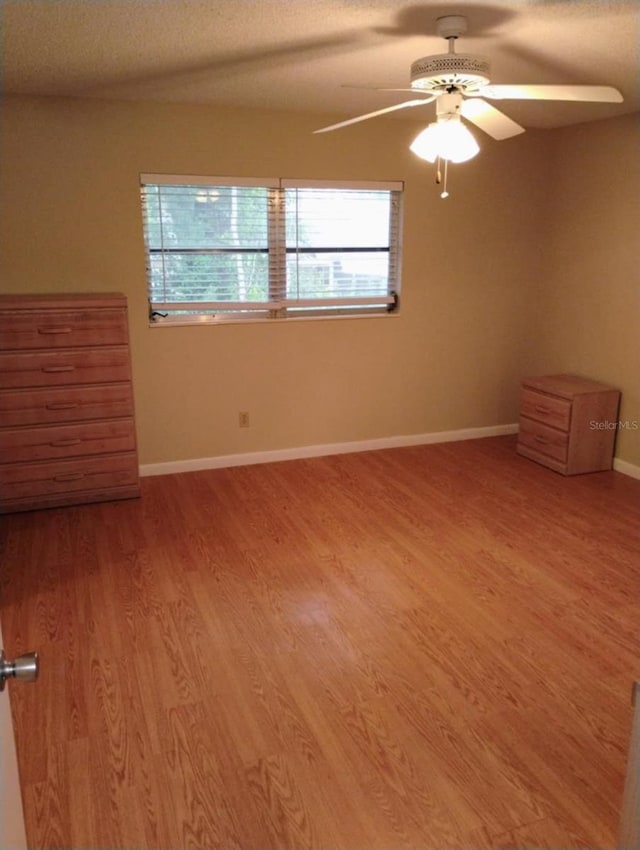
460,82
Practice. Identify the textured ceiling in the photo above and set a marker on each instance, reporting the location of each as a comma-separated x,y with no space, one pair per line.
300,54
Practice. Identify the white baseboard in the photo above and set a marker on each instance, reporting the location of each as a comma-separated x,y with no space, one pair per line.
626,468
248,458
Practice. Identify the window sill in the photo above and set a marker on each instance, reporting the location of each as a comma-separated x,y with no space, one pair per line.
209,321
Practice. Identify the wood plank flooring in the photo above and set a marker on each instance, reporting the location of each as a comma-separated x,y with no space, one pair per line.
425,647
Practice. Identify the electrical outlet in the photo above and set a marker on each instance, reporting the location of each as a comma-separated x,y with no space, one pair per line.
243,419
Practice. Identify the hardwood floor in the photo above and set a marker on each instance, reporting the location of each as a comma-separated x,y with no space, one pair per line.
425,647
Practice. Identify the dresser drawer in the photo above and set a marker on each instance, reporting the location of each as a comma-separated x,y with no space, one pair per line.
22,481
33,329
555,412
547,441
70,366
65,404
59,441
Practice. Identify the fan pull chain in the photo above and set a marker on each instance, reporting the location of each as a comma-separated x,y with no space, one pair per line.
444,193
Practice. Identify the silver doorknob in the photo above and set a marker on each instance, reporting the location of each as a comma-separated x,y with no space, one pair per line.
25,668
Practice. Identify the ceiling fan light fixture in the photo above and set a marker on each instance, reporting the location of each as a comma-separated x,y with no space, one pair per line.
448,139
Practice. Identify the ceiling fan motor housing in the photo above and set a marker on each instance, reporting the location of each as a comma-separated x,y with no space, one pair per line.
444,70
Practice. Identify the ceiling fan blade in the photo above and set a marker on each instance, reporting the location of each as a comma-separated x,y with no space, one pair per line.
488,118
598,94
368,115
378,88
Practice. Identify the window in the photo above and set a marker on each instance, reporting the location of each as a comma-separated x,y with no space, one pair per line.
229,248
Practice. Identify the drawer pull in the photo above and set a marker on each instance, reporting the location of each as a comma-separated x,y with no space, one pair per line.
62,405
69,476
54,330
540,409
58,368
63,444
540,439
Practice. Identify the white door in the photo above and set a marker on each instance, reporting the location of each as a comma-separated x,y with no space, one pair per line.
629,838
12,833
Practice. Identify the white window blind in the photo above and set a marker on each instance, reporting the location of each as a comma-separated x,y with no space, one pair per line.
243,249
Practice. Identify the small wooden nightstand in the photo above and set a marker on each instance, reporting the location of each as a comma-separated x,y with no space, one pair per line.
568,423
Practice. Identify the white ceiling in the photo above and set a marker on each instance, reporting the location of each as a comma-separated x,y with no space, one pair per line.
299,54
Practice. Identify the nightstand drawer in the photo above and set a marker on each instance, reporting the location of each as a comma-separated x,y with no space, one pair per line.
555,412
20,445
548,441
33,329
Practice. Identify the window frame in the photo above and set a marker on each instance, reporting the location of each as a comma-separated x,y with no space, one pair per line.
278,307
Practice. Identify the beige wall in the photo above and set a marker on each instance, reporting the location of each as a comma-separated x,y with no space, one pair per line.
476,273
588,310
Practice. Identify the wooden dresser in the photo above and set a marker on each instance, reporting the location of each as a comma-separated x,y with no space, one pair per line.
67,431
568,423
